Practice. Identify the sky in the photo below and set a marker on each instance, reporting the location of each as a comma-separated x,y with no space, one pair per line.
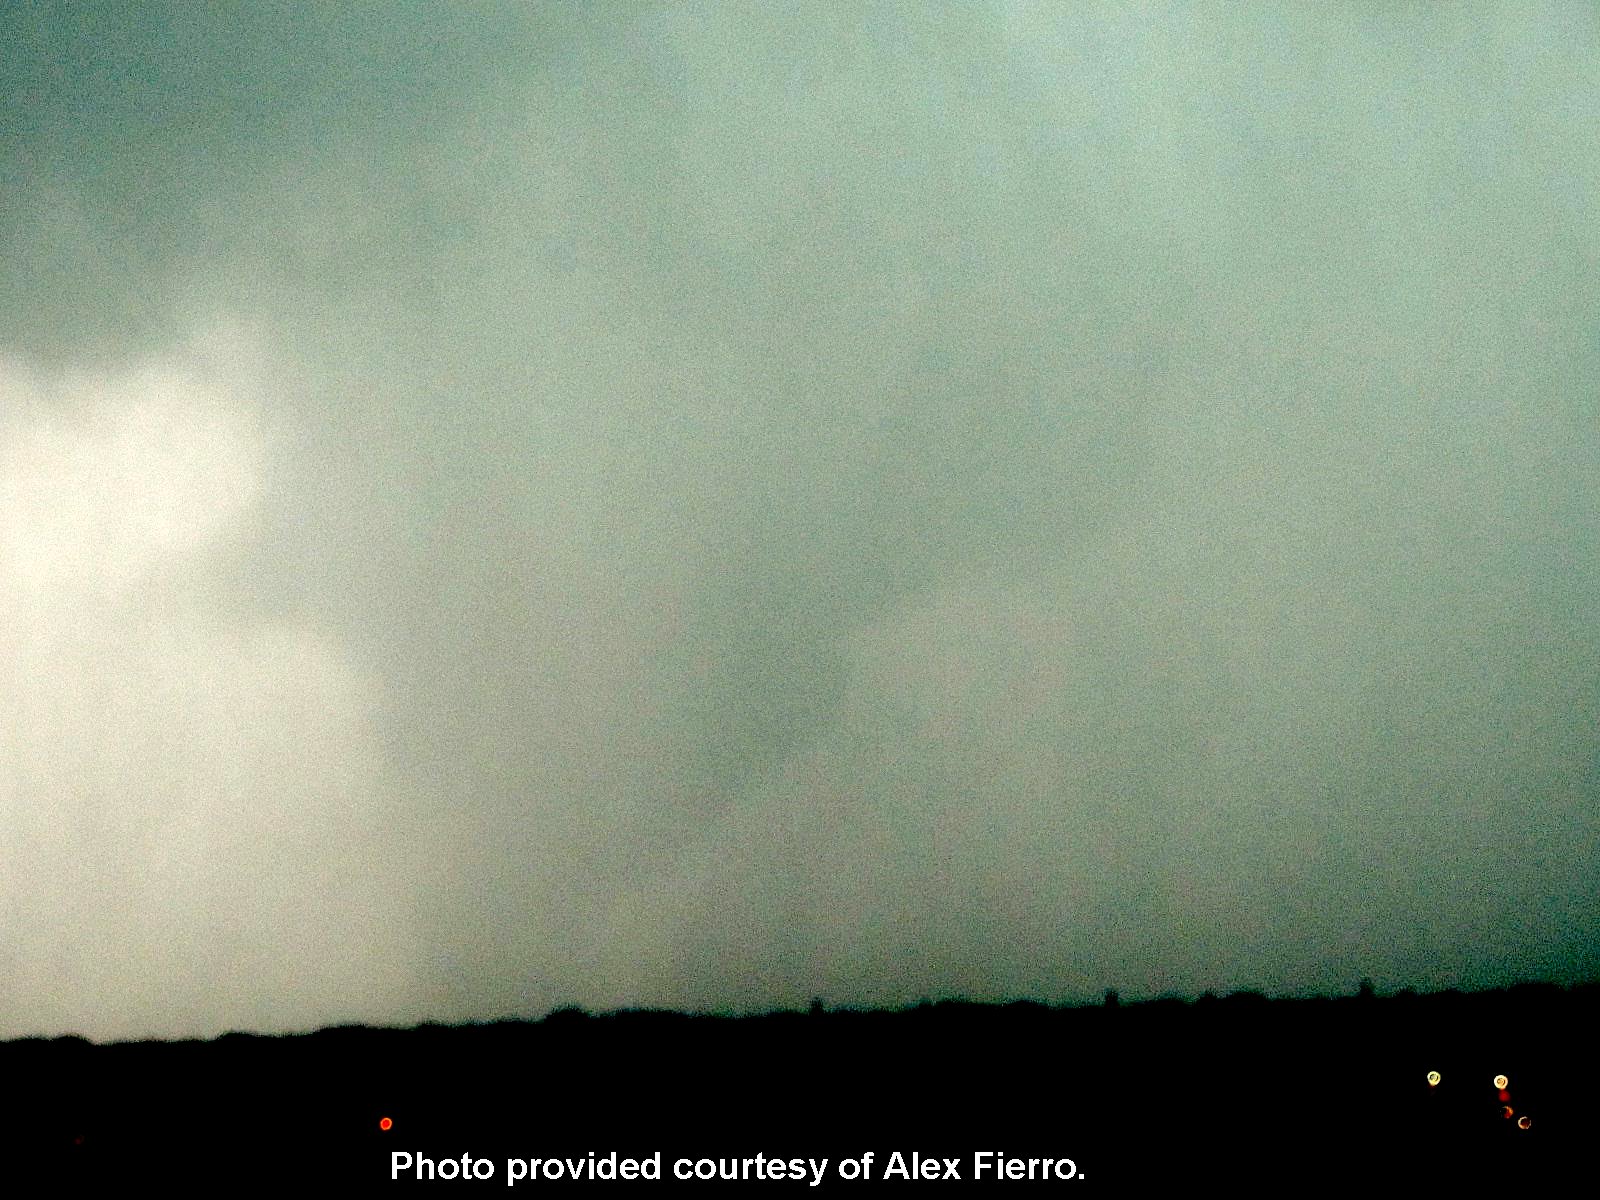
713,505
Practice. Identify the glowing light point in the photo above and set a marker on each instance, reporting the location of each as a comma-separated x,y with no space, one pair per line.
1501,1082
1504,1095
386,1124
1524,1122
1506,1112
1433,1078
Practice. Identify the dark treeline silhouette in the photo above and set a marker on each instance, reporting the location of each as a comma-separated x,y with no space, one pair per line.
1235,1088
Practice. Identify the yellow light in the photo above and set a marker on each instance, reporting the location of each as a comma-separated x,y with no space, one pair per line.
1501,1083
1524,1122
1433,1079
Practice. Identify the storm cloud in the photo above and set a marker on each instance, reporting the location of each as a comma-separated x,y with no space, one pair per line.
712,505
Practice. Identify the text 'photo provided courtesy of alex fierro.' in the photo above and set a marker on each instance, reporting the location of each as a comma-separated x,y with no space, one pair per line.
817,1099
985,1165
798,594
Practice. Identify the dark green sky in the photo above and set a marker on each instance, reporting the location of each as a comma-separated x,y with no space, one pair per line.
714,504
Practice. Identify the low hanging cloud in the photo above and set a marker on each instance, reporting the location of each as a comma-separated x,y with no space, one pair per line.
184,832
717,505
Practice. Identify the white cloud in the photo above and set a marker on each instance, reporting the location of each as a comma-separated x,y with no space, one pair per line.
182,840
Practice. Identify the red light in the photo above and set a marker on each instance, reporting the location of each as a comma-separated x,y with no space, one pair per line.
386,1124
1504,1095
